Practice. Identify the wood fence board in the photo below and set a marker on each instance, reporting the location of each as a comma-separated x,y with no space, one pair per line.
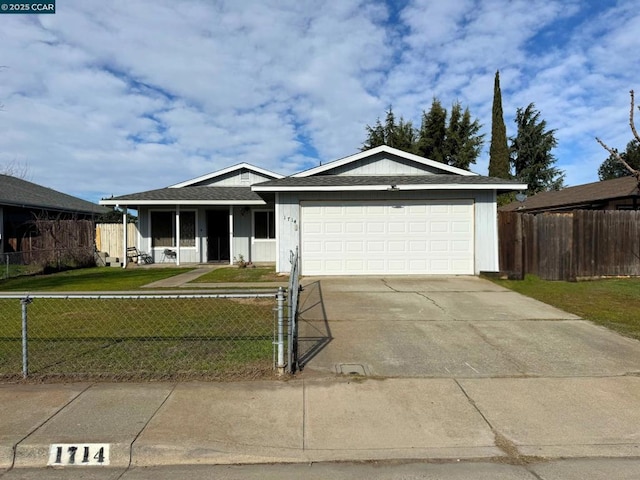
583,243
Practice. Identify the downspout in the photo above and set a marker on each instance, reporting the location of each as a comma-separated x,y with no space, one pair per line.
125,237
276,212
230,234
177,235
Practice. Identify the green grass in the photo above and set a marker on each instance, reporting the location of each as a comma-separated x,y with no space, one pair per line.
139,338
613,303
241,275
90,280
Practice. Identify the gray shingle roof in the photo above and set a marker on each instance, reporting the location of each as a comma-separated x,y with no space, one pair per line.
20,193
365,180
578,196
216,194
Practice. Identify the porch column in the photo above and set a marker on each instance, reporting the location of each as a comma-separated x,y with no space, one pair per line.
1,230
177,235
230,234
125,238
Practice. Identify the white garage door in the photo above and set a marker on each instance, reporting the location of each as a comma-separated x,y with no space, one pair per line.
383,237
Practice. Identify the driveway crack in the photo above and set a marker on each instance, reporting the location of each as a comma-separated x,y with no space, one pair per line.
496,346
502,442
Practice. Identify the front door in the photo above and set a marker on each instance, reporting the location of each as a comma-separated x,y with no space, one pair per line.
218,236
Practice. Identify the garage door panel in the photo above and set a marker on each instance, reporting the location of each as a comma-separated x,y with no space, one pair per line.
375,265
460,227
333,227
354,227
461,246
439,227
397,227
418,227
374,210
381,237
418,246
375,247
376,227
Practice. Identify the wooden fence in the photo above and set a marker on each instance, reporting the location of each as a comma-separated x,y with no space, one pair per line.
109,237
570,246
52,244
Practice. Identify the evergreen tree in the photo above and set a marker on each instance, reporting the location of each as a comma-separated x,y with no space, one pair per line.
404,137
431,138
400,135
457,144
499,150
613,168
531,157
375,136
462,143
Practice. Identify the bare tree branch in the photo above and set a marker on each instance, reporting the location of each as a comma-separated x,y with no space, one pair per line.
614,153
631,121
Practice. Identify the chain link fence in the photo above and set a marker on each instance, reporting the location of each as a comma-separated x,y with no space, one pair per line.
140,337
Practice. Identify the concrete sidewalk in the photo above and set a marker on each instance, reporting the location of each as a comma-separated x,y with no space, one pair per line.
324,419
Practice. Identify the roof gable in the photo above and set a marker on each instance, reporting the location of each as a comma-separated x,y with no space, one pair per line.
231,176
384,160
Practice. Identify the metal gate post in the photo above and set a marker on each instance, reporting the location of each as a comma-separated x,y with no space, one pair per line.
290,332
280,365
25,343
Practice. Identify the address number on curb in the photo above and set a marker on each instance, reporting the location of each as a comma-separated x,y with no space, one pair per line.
83,454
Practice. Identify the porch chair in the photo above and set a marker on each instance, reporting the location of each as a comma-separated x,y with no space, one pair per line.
170,254
134,254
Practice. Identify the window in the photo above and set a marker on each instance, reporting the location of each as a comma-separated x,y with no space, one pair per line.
187,229
264,225
163,229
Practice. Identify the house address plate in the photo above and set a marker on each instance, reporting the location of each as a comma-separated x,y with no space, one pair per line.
78,454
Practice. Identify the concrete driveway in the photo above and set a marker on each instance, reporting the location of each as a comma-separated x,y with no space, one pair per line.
449,327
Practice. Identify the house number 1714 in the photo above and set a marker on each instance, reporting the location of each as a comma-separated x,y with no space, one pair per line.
85,454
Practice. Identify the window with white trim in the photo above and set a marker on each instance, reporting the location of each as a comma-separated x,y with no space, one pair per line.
264,225
163,228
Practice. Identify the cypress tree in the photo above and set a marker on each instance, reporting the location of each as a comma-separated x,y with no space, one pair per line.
499,150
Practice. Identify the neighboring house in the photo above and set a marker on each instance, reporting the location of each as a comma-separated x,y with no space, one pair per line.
381,211
616,194
22,202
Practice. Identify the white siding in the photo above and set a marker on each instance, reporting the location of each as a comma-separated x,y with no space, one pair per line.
242,234
486,225
243,178
383,164
287,229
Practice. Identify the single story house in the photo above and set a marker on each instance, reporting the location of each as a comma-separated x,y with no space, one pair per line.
616,194
21,202
380,211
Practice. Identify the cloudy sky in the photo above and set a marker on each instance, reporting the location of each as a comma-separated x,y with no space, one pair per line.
121,96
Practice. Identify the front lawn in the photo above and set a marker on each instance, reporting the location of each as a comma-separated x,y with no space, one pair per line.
139,338
613,303
241,275
90,280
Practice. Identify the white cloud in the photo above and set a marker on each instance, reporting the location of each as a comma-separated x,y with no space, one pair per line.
123,96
